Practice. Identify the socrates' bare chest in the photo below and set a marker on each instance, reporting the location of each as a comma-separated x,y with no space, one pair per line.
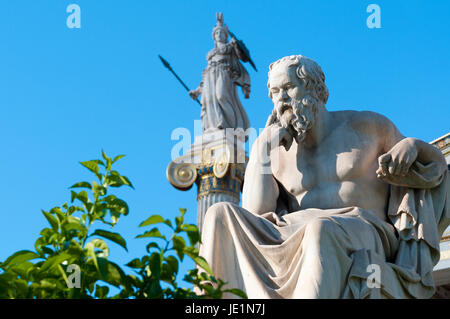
344,156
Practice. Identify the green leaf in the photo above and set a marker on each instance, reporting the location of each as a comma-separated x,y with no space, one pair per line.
74,248
155,291
74,226
91,287
210,291
98,244
47,250
115,217
47,232
135,263
119,206
98,189
81,185
118,157
54,261
73,209
173,263
99,259
193,254
179,220
168,223
100,210
179,245
155,219
190,228
108,160
92,165
81,196
73,196
116,277
19,257
193,233
104,155
114,179
152,233
115,237
23,269
179,242
73,219
22,286
155,264
108,164
54,238
89,207
38,244
102,266
59,214
51,220
101,292
116,205
126,181
152,245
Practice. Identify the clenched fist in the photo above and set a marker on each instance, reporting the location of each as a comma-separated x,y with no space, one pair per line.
398,160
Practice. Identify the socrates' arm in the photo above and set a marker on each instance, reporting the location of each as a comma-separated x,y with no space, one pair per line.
260,191
402,152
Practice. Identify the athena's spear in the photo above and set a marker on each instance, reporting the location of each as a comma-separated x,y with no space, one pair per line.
167,65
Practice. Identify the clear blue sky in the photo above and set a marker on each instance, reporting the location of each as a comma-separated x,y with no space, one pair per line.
65,94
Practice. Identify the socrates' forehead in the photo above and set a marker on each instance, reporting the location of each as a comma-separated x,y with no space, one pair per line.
281,74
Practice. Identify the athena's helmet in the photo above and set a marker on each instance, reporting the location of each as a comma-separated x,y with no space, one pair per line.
220,25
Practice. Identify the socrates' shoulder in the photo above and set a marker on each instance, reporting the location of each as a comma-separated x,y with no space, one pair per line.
366,120
373,124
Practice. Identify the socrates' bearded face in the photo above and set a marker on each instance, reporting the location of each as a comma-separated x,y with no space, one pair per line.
295,108
298,116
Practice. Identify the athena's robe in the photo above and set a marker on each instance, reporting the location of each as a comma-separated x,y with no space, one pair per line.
334,253
221,107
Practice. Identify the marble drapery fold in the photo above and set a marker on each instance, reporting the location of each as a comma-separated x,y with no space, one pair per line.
221,107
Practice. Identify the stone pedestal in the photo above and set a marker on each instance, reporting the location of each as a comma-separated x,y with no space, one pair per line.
216,163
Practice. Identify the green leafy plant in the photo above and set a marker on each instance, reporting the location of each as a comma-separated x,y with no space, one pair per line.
157,272
70,240
73,238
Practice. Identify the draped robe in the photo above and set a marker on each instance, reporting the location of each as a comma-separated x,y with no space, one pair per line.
221,107
317,253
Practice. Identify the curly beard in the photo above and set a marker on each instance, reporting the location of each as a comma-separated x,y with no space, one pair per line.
298,116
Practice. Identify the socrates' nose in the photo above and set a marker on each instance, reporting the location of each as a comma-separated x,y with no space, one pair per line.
283,95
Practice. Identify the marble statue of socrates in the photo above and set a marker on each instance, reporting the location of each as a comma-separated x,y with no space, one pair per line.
330,198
